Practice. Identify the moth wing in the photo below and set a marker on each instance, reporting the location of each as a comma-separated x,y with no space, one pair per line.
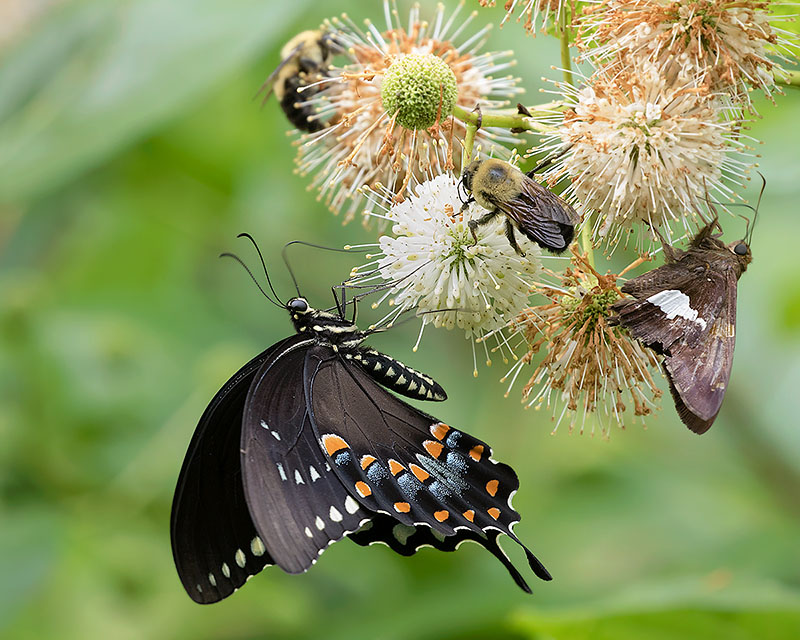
401,462
210,520
298,505
687,312
542,216
699,373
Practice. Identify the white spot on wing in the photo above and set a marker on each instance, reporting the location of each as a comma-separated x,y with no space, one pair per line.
312,472
308,532
320,523
335,514
350,505
298,479
226,570
240,558
257,546
212,580
675,304
281,471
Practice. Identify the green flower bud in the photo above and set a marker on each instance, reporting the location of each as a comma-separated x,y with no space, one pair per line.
418,87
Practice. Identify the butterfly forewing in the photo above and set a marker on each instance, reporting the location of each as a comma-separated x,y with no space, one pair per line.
298,505
210,527
402,462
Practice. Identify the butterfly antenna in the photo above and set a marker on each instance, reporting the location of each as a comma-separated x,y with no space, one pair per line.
252,277
313,246
263,264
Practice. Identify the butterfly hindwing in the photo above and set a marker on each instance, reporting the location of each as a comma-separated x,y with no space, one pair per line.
210,522
404,463
406,540
298,505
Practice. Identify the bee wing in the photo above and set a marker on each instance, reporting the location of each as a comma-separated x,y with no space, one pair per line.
267,86
542,216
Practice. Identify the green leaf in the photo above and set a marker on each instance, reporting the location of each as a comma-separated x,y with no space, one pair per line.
95,76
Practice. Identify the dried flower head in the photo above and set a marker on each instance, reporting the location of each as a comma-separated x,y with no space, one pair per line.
640,147
534,12
432,262
732,45
388,110
588,367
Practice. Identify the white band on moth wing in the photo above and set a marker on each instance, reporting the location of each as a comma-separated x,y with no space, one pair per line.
675,303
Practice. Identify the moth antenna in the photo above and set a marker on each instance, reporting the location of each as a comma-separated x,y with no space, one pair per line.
263,264
252,277
749,232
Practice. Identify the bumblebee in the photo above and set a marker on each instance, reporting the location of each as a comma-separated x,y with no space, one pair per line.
537,213
304,60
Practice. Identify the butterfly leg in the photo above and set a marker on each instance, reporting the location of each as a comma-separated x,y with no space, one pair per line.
474,224
512,239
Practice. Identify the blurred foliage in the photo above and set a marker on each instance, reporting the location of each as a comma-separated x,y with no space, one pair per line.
131,153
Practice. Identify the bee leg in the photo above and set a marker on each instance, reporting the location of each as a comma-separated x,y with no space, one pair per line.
474,224
464,206
512,239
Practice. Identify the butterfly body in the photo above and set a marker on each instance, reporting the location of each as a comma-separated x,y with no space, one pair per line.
686,311
303,447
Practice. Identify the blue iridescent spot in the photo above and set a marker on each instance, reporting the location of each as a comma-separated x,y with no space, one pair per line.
409,485
376,473
343,458
453,438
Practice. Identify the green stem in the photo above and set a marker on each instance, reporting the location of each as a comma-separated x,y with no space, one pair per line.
563,34
509,120
469,140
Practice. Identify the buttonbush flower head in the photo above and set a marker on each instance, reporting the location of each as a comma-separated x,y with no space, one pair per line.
589,368
642,147
389,108
431,262
532,11
732,45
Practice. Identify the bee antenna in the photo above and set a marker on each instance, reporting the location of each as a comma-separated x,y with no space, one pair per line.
263,264
252,277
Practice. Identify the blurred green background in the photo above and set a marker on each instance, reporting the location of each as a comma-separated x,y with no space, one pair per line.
131,154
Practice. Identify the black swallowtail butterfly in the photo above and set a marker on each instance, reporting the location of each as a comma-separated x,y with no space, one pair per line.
303,446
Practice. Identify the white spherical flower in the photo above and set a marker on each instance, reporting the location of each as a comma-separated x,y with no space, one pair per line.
643,148
433,264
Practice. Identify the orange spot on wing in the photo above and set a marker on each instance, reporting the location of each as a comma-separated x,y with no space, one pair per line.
491,487
363,489
442,515
439,430
366,461
395,467
494,512
418,471
402,507
333,443
434,448
476,452
469,515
